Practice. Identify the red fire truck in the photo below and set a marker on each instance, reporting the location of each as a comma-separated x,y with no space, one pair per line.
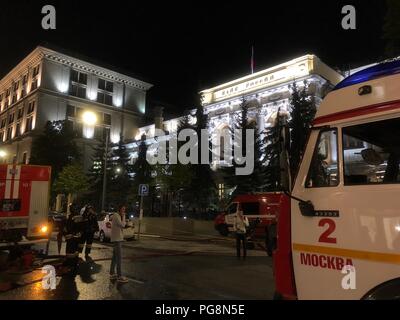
24,203
261,210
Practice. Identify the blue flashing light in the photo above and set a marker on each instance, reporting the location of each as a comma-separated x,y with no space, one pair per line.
378,71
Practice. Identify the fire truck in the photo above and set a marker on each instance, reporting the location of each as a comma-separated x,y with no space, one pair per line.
260,209
339,227
24,204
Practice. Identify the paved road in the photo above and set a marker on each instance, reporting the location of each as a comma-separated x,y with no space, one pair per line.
158,269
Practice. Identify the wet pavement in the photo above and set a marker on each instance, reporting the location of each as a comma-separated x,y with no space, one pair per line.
157,268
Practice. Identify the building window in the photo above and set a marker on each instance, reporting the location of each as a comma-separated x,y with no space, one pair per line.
77,91
107,119
78,77
98,133
1,136
105,98
24,157
9,133
11,118
29,124
16,85
3,123
20,113
70,111
34,84
35,71
24,79
106,85
18,129
31,107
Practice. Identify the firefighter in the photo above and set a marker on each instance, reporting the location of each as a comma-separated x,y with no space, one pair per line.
72,234
90,227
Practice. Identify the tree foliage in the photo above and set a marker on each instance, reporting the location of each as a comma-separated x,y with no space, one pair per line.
302,113
55,146
71,180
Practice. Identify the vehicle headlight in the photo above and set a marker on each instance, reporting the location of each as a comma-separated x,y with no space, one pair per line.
44,229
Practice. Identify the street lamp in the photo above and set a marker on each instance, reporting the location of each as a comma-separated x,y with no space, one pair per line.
89,118
3,155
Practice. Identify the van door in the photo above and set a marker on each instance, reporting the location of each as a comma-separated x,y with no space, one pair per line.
230,215
351,243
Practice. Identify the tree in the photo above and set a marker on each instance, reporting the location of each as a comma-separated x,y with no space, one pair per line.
202,185
273,148
302,113
391,29
254,181
120,174
55,146
96,173
71,181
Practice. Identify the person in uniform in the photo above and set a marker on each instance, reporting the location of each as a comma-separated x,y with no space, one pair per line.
72,234
90,227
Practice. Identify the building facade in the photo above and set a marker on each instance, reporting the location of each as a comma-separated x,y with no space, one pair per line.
48,85
266,92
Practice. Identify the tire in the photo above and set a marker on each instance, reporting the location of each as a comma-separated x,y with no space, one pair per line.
223,230
102,236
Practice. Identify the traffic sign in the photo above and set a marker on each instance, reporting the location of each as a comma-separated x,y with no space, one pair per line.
143,190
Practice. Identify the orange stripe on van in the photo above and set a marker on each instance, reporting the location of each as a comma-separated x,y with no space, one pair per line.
348,253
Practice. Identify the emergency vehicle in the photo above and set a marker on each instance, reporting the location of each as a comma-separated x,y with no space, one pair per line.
339,228
259,208
24,203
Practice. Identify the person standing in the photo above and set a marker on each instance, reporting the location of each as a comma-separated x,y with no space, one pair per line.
91,226
72,232
118,223
239,227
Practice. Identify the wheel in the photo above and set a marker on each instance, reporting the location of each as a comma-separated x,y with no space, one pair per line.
102,236
223,230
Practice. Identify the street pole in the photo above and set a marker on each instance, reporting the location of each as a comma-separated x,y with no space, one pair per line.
103,198
140,215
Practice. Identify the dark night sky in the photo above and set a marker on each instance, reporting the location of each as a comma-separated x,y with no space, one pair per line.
184,47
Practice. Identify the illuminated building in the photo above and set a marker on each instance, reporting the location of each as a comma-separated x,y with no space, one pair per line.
48,85
266,91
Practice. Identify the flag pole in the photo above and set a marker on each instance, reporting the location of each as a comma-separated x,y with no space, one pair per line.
252,59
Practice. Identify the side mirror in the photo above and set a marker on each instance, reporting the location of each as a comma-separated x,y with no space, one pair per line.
307,208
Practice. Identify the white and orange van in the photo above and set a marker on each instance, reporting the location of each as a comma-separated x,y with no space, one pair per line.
339,233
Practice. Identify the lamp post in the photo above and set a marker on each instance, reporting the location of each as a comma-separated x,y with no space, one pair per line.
89,118
103,197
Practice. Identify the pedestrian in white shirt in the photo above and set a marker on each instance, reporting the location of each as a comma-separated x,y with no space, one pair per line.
117,236
239,227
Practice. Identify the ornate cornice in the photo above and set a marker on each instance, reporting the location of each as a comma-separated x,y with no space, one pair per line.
94,69
41,53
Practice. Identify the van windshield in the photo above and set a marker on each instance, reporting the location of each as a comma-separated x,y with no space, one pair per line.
250,208
371,153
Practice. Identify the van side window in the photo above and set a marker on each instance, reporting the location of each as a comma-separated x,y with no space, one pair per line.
376,159
323,170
